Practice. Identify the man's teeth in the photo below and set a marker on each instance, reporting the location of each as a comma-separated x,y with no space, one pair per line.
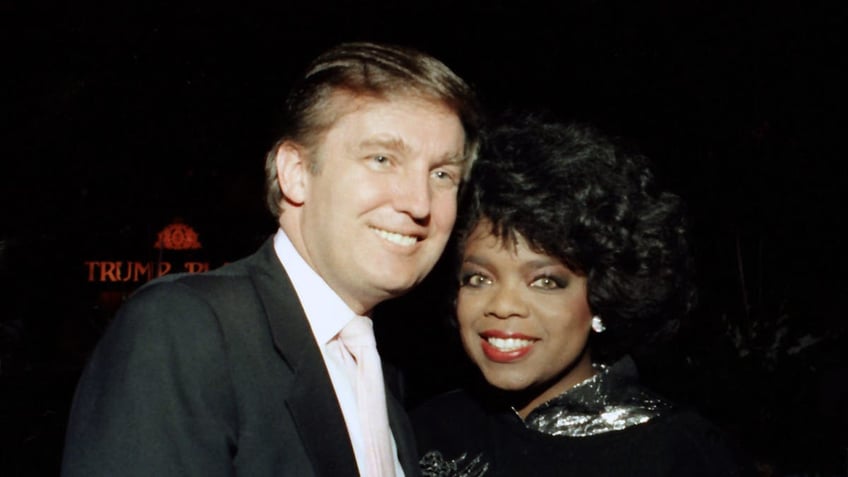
399,239
508,344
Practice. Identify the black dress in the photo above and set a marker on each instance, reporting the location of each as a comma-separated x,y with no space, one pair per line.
606,426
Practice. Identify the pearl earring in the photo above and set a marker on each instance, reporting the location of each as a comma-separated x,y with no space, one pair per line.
597,324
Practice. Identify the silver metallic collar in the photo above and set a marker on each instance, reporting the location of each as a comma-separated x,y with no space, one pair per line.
609,401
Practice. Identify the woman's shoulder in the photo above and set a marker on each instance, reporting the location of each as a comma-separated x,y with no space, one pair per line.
683,439
689,425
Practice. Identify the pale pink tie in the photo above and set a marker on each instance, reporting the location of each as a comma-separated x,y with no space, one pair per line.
358,338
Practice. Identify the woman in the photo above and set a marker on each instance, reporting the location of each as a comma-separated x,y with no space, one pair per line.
571,261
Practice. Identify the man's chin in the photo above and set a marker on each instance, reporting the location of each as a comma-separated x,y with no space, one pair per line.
396,288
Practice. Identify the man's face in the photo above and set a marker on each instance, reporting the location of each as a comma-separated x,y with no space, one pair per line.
376,216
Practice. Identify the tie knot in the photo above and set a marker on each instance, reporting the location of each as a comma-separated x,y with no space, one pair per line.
359,332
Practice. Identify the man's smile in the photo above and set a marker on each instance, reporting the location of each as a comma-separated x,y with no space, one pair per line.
396,238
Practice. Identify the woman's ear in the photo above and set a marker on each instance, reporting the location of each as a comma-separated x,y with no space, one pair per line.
292,168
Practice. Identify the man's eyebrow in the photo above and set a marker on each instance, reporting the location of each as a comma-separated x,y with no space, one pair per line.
397,144
392,143
453,159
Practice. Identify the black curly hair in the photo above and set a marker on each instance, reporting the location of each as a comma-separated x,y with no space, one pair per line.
575,195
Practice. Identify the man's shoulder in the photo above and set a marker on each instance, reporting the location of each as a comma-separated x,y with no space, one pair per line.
222,280
180,304
233,285
225,276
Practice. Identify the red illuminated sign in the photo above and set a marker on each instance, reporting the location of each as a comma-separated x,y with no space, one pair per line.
176,236
135,272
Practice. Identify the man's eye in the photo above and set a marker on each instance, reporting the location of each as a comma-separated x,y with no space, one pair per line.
379,162
445,176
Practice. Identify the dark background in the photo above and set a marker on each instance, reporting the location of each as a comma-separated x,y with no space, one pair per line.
119,118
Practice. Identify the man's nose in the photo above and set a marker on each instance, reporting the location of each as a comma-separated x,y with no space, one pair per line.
413,194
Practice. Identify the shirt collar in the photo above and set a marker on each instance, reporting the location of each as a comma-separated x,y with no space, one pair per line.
326,312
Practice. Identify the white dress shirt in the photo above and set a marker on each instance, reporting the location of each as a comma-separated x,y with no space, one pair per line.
327,315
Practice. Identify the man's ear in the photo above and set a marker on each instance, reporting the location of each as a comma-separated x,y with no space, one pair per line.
292,168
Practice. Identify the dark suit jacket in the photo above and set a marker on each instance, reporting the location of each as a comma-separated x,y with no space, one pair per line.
214,374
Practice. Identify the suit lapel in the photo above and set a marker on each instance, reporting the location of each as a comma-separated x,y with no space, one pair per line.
311,401
402,431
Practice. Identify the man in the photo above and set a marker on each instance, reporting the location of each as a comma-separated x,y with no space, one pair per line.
235,372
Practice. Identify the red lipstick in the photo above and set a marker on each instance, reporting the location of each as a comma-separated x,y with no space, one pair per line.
499,356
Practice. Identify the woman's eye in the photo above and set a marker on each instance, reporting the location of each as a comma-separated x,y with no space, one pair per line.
380,159
473,280
548,283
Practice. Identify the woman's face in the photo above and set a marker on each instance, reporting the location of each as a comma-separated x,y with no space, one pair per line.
524,318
